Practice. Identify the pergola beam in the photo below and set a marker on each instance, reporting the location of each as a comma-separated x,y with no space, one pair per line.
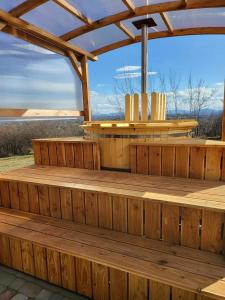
143,10
71,9
162,34
42,35
75,63
25,7
123,28
167,22
130,5
33,40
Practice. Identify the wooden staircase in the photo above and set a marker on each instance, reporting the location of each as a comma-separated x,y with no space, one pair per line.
114,235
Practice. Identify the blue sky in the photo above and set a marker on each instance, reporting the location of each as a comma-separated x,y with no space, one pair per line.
33,77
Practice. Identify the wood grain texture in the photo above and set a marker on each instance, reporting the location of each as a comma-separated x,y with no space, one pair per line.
23,196
197,162
138,288
5,196
43,197
158,291
16,254
119,214
168,161
55,202
91,208
40,262
66,204
170,223
84,277
153,220
118,285
100,275
27,257
33,198
105,211
155,160
135,216
78,201
142,159
190,227
53,265
68,272
182,161
213,231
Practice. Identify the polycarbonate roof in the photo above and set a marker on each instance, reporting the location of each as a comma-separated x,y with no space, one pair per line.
97,26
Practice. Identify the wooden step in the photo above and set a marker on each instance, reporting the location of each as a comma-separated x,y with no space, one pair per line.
73,152
98,262
188,158
181,211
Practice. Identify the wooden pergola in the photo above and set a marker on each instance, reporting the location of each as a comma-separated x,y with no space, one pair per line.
11,22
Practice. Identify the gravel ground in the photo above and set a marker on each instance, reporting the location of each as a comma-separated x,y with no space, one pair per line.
19,286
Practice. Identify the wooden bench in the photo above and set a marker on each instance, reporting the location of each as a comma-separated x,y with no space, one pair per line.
104,264
180,211
189,158
73,152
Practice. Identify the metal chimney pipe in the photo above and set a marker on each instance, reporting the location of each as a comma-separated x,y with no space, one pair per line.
144,59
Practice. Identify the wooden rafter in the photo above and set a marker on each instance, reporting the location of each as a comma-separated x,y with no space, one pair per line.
125,30
25,7
42,34
143,10
75,63
162,34
167,22
33,40
130,5
71,9
2,25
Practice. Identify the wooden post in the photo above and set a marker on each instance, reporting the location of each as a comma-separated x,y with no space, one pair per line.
223,118
85,89
128,108
144,107
136,108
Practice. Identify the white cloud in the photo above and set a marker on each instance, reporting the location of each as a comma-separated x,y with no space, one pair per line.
11,52
26,85
220,84
132,75
34,48
54,67
128,68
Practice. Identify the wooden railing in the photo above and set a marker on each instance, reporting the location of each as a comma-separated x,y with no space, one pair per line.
197,159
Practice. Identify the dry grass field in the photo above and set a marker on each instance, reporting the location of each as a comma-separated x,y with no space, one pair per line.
15,162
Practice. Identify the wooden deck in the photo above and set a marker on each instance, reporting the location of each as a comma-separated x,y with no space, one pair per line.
115,235
87,256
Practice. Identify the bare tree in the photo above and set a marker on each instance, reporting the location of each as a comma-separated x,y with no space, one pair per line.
199,96
174,86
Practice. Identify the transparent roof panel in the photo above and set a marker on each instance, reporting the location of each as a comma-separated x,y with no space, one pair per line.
53,18
98,8
148,2
99,38
157,18
32,77
9,4
213,17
